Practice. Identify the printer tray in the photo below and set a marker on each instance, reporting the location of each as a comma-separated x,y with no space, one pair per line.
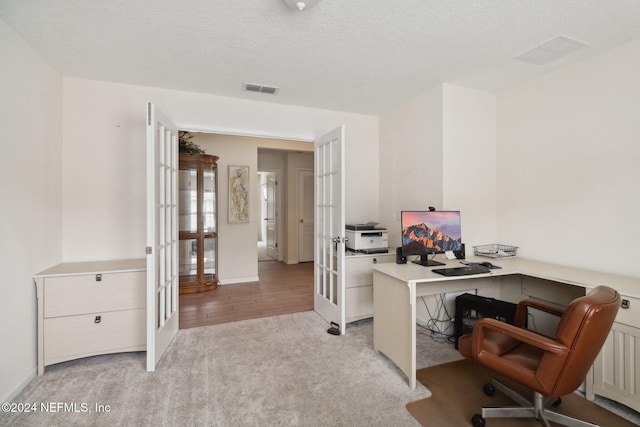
371,251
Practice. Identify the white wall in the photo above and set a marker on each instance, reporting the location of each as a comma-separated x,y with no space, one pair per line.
410,160
569,164
469,162
104,168
439,150
31,206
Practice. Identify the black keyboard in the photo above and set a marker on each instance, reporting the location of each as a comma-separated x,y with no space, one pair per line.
462,271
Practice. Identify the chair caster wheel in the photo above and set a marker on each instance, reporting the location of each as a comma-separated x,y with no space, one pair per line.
477,420
557,402
489,389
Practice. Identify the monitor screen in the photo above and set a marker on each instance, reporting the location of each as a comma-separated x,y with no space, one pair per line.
430,232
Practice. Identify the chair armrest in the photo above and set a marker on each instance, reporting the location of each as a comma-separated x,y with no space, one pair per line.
524,305
524,335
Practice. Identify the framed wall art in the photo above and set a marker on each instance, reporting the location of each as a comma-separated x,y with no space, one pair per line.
238,194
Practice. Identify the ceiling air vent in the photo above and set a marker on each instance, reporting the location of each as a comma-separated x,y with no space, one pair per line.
252,87
551,50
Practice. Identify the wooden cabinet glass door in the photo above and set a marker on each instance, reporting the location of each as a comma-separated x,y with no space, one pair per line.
198,222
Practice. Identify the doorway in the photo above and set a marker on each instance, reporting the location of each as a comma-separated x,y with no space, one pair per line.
268,203
286,197
273,166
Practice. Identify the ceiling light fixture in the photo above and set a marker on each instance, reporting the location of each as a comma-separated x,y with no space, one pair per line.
300,4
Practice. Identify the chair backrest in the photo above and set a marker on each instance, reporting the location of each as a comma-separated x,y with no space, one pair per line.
583,328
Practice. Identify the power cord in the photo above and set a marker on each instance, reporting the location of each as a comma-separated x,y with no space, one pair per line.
435,329
533,327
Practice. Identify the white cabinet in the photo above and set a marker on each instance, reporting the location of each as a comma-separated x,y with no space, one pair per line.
359,283
90,308
616,371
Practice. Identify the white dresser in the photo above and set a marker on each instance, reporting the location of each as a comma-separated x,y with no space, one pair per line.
359,283
90,308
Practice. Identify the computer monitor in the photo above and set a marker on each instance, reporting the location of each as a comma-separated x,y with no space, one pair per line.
430,232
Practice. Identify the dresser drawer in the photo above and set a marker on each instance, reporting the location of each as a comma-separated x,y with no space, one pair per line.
359,303
71,337
629,316
81,294
359,268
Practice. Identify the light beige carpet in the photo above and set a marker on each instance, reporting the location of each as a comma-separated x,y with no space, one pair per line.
457,394
276,371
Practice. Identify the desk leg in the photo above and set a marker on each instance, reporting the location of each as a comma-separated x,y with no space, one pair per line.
394,323
40,301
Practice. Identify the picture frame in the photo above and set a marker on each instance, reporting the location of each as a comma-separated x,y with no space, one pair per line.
239,182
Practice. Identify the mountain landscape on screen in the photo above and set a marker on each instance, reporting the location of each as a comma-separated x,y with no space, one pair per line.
418,237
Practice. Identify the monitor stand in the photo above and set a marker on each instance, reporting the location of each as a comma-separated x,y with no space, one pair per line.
426,262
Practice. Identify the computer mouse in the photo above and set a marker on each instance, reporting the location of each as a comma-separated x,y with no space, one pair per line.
486,264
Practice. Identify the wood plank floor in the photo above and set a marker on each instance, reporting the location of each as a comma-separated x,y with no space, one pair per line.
282,289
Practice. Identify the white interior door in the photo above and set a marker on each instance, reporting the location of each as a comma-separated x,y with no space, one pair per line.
271,216
305,215
329,292
162,234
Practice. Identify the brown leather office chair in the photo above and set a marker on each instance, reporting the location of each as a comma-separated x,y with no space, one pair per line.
550,367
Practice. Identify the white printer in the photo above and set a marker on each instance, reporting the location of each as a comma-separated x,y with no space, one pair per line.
367,238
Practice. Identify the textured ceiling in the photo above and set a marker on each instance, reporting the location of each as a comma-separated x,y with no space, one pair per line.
363,56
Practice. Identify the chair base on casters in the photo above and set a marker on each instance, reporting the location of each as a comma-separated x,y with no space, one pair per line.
527,409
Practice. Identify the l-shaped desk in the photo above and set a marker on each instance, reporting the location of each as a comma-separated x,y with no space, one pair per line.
396,287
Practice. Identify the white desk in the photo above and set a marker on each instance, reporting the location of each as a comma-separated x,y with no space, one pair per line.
396,286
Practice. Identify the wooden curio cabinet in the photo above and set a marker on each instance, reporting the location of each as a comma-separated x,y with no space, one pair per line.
198,226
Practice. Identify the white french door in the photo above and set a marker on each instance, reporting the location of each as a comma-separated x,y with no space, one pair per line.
329,292
162,234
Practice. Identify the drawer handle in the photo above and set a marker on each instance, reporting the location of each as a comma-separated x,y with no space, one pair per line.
98,319
625,303
98,277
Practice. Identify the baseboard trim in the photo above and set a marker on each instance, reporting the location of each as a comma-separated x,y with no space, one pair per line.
239,280
422,322
21,385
